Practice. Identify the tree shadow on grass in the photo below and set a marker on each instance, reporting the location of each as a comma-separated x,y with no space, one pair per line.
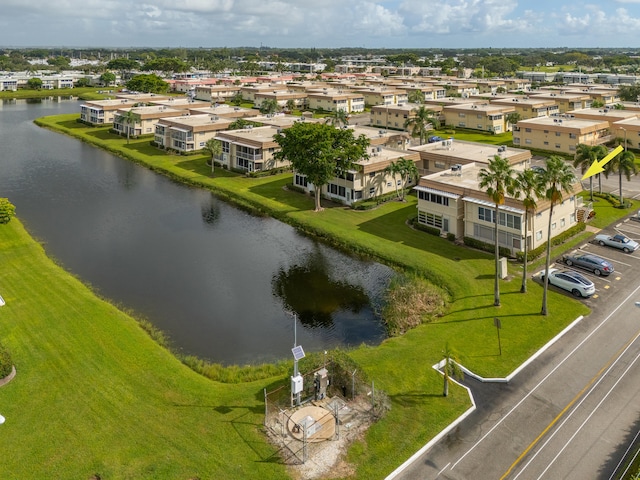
412,398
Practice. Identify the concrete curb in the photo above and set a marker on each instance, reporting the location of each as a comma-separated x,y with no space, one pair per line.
468,372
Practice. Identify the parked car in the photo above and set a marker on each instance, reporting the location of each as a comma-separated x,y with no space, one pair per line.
596,264
617,241
434,139
571,281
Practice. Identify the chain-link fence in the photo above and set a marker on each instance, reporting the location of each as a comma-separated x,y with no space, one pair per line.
330,398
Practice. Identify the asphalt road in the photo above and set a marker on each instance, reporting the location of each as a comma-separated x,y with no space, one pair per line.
573,413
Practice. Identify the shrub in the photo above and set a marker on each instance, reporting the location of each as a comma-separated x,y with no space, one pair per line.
557,240
7,210
487,247
451,237
6,364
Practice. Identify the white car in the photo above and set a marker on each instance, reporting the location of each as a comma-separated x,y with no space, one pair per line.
571,281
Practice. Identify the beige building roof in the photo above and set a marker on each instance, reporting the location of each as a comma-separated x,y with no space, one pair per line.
462,152
254,137
603,113
564,123
225,110
198,123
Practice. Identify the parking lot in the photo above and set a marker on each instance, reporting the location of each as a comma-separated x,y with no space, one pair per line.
626,265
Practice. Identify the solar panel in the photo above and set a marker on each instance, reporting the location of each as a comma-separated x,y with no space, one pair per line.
298,352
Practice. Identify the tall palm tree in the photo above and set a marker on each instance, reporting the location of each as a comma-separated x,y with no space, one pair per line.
338,118
527,184
624,164
451,368
585,156
406,169
214,147
416,96
422,123
558,178
129,118
497,181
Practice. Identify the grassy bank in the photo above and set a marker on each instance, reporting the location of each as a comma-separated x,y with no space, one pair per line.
85,93
123,378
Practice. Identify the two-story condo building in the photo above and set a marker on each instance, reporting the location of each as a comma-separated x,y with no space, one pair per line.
566,102
102,112
529,107
250,149
225,110
395,116
188,133
367,180
216,93
147,117
453,202
282,98
560,133
478,116
335,100
382,95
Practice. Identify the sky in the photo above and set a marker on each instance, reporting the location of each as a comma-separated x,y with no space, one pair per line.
321,23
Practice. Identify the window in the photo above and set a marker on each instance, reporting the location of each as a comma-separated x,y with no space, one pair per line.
546,143
562,222
479,126
553,226
433,198
528,130
372,174
528,141
461,124
558,134
461,115
539,235
430,219
546,131
438,164
572,135
485,214
572,218
372,191
338,190
300,180
558,145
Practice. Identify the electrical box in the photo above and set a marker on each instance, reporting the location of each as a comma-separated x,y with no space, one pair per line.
296,384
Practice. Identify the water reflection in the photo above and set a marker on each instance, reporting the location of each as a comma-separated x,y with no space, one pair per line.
308,290
210,212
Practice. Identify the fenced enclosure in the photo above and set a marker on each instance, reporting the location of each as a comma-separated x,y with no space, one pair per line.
327,409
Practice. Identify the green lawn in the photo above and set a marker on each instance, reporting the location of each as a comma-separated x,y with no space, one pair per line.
89,379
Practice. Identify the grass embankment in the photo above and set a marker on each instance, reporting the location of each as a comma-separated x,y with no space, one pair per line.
86,358
85,93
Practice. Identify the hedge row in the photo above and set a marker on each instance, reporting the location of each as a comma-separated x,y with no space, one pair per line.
557,240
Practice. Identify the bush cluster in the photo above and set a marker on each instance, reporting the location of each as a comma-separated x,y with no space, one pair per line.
6,364
557,240
487,247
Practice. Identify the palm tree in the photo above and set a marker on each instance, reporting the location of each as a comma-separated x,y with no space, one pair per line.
512,118
338,118
394,169
269,106
214,147
451,368
129,118
416,96
406,169
497,179
290,105
558,178
422,123
585,156
624,164
527,184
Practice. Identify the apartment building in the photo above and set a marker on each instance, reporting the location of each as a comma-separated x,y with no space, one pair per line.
560,134
102,112
453,202
147,118
491,86
565,101
607,114
282,120
608,96
186,134
180,103
282,98
529,106
215,93
395,116
249,91
486,117
225,110
250,149
382,95
335,100
367,180
628,130
441,157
